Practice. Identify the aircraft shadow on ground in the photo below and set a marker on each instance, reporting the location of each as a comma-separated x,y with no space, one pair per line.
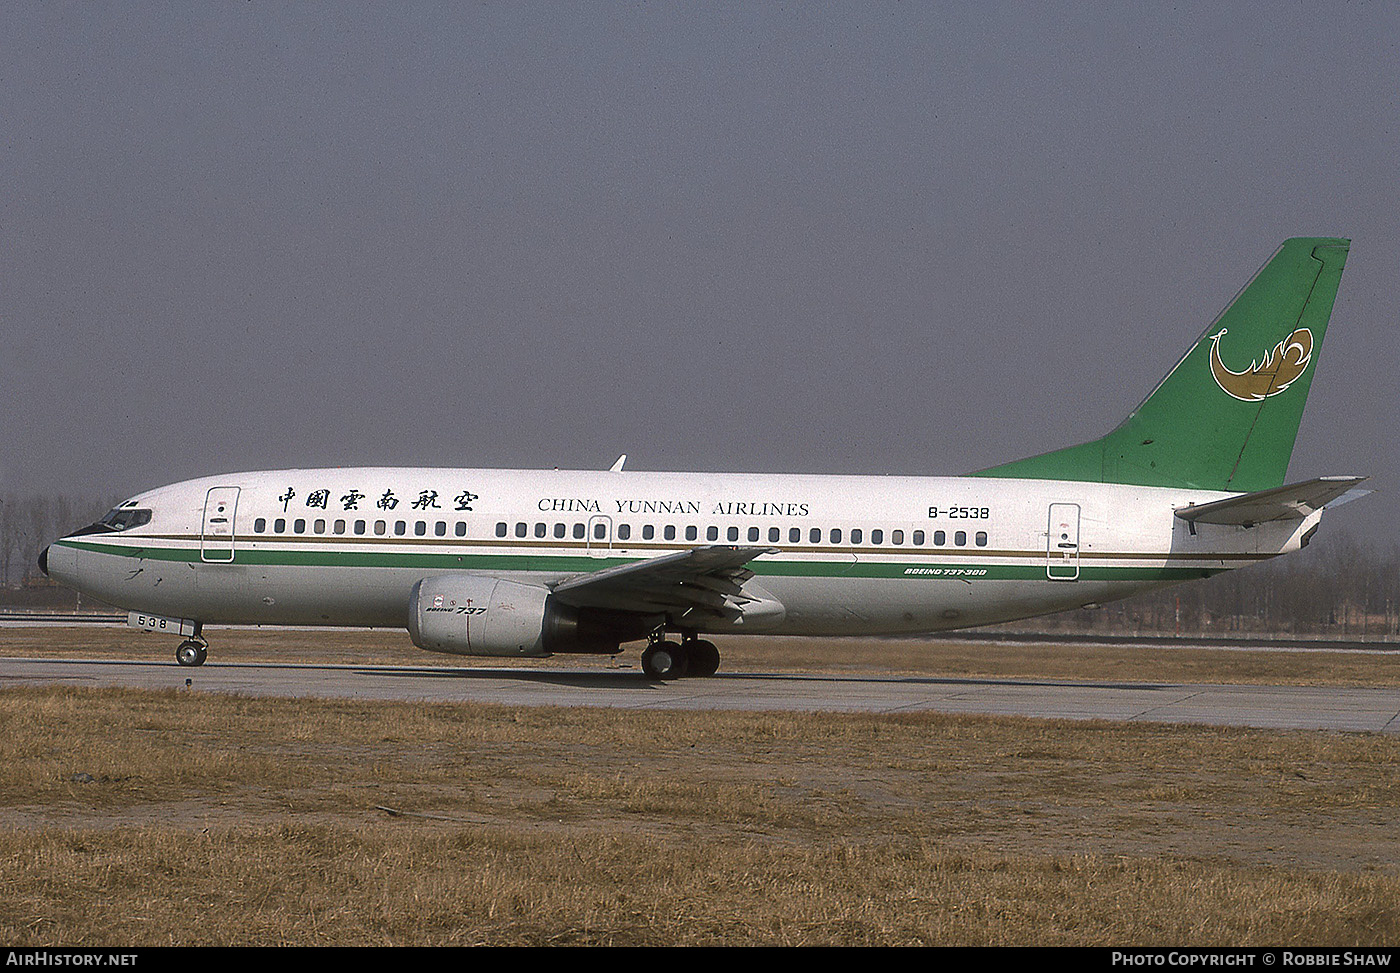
627,680
639,680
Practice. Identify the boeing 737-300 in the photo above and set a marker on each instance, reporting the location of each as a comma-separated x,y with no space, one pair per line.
525,563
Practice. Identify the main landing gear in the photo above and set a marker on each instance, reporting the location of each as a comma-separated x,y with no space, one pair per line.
192,652
691,656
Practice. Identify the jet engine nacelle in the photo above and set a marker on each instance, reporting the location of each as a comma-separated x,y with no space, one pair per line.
474,614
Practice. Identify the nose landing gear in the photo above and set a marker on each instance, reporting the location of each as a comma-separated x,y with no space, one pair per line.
192,652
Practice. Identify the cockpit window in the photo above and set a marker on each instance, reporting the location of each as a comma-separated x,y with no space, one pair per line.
125,518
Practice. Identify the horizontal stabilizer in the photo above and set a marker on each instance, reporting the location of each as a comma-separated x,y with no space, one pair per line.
1295,501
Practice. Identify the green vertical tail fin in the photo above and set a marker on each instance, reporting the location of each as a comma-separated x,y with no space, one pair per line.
1227,415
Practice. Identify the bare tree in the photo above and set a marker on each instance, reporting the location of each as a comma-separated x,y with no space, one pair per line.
28,523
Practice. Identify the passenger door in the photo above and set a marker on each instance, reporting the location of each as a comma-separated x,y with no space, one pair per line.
1062,543
216,537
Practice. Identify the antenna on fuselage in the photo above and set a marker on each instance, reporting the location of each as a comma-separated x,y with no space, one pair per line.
617,467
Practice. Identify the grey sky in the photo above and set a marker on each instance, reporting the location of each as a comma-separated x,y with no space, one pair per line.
906,238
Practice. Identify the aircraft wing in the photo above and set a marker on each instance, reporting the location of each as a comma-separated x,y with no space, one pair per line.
703,582
1293,502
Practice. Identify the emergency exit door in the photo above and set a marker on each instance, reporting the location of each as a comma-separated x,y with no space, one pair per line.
600,535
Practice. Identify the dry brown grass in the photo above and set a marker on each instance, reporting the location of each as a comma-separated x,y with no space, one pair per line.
139,818
308,885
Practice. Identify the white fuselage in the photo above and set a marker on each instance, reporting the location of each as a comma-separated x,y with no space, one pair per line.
849,554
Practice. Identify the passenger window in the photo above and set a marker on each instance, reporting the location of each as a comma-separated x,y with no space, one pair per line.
501,529
259,525
600,531
939,538
521,528
836,535
753,534
319,527
960,538
857,536
560,531
733,533
712,534
541,530
340,526
299,526
380,527
896,537
691,533
461,529
919,538
816,536
440,528
580,532
648,532
359,526
877,537
774,535
981,538
401,528
279,525
670,532
624,532
795,535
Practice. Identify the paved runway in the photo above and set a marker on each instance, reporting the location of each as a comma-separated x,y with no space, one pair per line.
1277,707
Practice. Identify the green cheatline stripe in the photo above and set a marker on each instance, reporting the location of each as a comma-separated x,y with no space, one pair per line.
559,564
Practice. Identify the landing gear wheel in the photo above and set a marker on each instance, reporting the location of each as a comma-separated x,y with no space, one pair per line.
191,653
704,657
664,660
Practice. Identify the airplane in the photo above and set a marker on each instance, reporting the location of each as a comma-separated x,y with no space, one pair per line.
528,563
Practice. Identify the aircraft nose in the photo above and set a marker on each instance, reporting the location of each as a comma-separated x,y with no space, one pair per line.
60,562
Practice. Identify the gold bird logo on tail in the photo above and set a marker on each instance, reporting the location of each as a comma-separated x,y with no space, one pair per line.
1280,368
